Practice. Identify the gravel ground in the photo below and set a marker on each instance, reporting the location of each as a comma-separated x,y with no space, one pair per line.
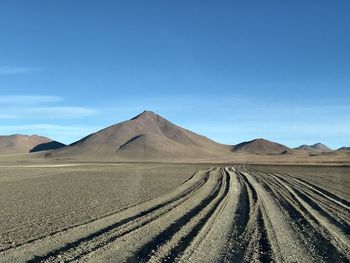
168,213
38,201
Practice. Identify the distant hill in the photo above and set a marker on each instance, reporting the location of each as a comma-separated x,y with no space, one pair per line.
51,145
144,137
151,138
344,149
260,146
17,143
317,147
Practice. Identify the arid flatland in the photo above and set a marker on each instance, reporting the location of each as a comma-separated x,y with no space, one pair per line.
174,212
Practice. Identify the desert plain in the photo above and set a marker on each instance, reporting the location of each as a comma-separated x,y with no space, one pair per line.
161,212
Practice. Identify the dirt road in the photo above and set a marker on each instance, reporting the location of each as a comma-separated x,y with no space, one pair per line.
224,214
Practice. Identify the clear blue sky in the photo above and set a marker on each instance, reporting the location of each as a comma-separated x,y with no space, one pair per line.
230,70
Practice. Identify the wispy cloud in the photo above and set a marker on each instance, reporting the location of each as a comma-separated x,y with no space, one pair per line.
28,99
59,112
19,113
17,70
40,107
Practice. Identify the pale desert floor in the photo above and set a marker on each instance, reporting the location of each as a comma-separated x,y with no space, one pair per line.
174,213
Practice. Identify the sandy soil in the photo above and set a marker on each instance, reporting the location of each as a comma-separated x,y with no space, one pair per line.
167,213
36,202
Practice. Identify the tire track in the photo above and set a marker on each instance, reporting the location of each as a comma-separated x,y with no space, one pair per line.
329,225
108,234
322,233
249,241
196,182
320,248
224,214
58,216
333,206
177,231
215,233
147,240
285,242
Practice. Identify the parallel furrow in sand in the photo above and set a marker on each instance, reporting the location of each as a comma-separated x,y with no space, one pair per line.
237,214
236,245
95,241
210,243
318,247
145,242
61,216
258,248
321,195
316,189
333,208
66,240
172,242
181,245
336,207
309,220
340,236
312,187
284,242
248,241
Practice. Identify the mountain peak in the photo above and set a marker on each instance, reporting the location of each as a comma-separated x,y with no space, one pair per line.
144,114
21,143
320,146
259,140
344,148
261,146
144,137
315,147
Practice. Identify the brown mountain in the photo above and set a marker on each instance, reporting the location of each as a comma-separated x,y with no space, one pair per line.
51,145
317,147
261,146
344,149
147,136
15,144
